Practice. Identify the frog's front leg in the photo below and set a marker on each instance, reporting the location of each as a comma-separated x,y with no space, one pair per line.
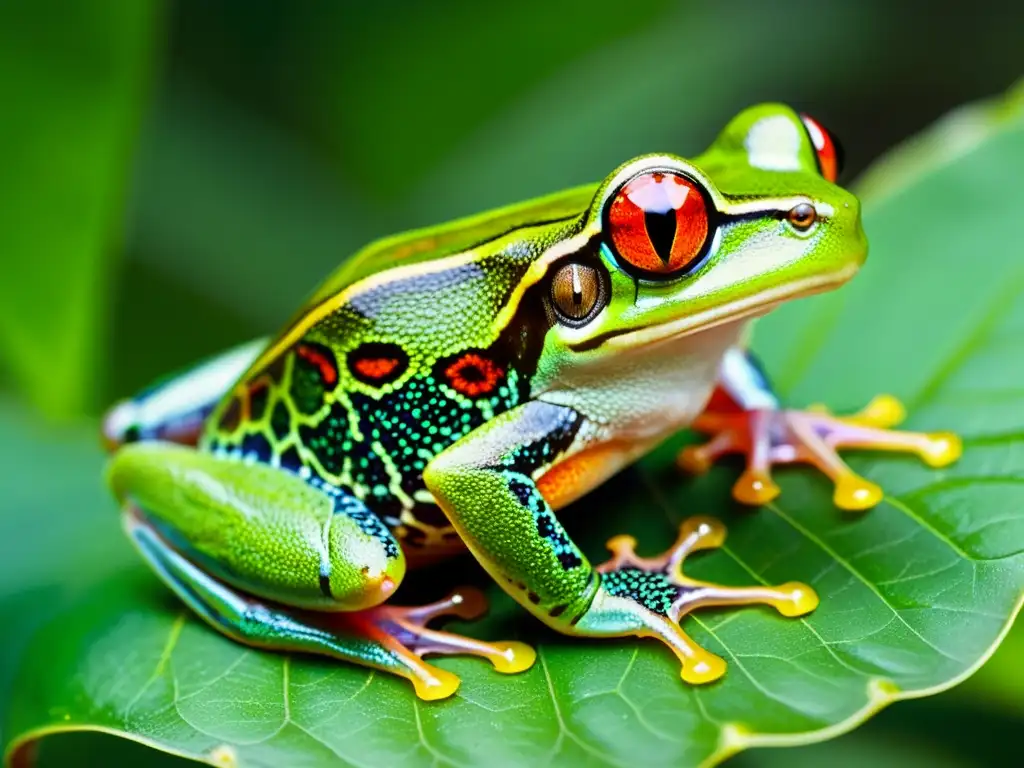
272,562
745,417
490,485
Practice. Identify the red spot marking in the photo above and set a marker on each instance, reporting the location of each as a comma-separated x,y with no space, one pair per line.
313,356
658,193
473,375
376,367
824,147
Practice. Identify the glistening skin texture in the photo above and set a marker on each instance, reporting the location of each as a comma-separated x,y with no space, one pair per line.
455,387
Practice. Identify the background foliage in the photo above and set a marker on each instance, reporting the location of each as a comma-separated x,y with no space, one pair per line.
179,175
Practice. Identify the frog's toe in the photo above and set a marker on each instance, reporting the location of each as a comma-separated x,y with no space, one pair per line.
698,459
433,683
816,439
650,596
853,493
771,437
941,449
883,412
408,626
755,487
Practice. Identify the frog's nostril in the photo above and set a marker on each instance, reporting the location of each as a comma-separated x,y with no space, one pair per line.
386,586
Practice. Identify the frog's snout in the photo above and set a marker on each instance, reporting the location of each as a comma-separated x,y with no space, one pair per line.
376,591
369,592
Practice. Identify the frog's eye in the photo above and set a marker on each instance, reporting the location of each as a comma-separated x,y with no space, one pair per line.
826,149
578,292
802,216
658,224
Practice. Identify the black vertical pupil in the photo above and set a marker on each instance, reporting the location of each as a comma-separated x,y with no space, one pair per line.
661,230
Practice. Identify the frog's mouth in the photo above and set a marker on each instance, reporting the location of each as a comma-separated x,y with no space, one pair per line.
746,308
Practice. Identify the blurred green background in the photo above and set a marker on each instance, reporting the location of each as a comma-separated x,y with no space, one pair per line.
177,176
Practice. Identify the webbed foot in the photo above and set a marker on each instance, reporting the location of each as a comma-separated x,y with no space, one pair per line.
649,597
770,437
404,631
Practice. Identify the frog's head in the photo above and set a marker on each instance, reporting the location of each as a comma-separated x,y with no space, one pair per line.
672,247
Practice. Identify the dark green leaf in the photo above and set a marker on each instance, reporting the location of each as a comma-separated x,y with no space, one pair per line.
916,593
73,94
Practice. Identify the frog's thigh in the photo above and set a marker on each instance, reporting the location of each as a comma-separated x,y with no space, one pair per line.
175,408
258,528
215,530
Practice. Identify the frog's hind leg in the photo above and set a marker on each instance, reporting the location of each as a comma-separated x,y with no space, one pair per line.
654,594
175,408
392,639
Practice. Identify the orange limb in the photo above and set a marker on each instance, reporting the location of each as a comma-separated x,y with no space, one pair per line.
404,633
576,475
770,437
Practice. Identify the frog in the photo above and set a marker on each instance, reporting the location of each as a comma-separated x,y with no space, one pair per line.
453,388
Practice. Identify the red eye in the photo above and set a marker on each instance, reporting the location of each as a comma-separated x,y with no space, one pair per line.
658,223
830,154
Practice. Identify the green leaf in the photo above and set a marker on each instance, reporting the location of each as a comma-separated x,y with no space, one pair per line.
221,195
916,593
73,94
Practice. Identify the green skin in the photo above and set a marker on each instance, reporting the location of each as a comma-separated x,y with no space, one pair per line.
415,403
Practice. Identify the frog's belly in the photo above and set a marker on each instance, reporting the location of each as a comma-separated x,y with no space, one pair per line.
651,392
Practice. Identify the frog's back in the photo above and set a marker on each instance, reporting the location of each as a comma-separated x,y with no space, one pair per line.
410,346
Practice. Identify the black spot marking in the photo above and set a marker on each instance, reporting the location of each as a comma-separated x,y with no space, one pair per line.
348,505
527,458
291,460
522,491
259,396
325,580
280,421
569,560
255,444
231,417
